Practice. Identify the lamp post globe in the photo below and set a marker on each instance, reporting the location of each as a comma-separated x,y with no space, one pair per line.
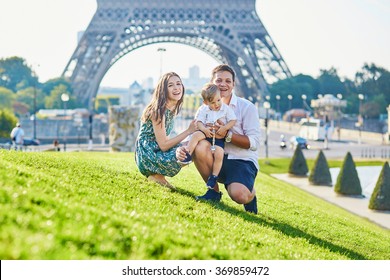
161,51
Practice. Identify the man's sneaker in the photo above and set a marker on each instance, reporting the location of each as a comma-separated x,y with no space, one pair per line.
187,160
211,181
251,206
210,195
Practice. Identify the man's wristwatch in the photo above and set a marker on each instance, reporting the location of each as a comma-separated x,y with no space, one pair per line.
228,137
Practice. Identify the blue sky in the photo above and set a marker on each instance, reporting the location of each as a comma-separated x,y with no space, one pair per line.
310,34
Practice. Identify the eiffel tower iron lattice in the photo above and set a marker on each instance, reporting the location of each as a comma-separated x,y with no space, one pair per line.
230,31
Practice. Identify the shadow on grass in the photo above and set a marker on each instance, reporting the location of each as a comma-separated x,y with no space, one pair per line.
282,227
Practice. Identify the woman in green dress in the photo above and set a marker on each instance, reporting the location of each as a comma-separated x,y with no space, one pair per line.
155,152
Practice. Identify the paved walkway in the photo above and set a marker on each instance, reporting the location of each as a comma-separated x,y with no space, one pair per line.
358,206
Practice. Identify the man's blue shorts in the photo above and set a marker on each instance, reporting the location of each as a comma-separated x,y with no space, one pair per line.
238,171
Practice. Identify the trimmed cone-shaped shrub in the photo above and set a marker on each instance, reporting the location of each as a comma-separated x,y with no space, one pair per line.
298,165
320,174
348,182
380,198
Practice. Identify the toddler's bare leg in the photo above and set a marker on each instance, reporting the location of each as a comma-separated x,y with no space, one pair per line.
195,138
218,159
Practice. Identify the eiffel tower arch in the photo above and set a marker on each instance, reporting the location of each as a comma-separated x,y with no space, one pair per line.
230,31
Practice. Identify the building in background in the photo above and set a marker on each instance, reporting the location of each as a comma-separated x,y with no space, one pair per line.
194,82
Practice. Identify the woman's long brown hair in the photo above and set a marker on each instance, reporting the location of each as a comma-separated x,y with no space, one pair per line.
156,108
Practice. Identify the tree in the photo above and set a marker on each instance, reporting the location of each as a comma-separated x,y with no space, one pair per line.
298,165
102,103
7,98
348,182
53,101
296,86
48,86
373,81
15,74
380,198
7,122
330,83
320,174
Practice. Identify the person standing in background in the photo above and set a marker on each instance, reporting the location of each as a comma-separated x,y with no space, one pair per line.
17,136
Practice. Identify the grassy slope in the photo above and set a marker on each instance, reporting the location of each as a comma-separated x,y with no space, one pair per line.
98,206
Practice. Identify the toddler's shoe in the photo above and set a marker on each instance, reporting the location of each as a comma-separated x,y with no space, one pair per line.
187,160
210,195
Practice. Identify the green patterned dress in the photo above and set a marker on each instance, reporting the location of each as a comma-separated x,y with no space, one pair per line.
148,156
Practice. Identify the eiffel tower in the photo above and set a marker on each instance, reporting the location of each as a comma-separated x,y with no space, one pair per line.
230,31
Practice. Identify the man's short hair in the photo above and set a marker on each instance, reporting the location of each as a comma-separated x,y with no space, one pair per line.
221,68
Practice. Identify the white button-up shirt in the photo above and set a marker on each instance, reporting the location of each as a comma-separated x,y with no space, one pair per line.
208,116
248,124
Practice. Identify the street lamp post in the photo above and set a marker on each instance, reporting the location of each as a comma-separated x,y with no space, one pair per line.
35,77
339,96
277,106
65,99
35,112
90,119
277,102
361,119
304,97
266,106
161,51
290,97
90,124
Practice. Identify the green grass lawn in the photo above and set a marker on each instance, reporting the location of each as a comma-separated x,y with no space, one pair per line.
91,205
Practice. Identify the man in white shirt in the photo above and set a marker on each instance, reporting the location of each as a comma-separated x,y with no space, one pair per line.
242,142
208,115
17,136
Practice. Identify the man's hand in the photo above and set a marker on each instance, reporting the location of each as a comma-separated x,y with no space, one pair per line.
220,134
222,131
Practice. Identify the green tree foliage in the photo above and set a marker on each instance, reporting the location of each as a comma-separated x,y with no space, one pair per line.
102,104
373,81
7,98
296,86
26,97
380,198
48,86
15,74
330,83
53,101
298,165
348,182
320,174
7,122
